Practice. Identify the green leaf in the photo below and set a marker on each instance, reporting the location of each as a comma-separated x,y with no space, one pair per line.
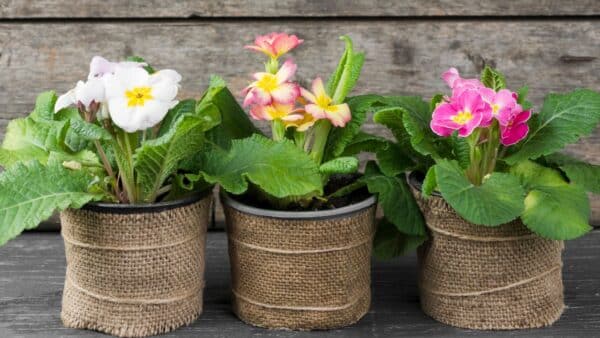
363,142
44,106
554,209
492,78
346,74
235,123
393,160
391,117
390,243
435,100
28,139
30,193
156,160
557,212
340,165
564,118
279,168
460,150
429,183
184,107
500,198
522,98
340,138
397,202
579,172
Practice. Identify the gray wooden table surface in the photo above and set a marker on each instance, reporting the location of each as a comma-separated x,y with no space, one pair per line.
32,269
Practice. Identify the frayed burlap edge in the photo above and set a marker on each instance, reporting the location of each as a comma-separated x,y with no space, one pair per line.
513,279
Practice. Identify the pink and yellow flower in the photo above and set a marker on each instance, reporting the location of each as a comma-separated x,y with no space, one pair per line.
463,113
275,44
503,104
269,88
276,111
302,124
515,129
320,105
458,84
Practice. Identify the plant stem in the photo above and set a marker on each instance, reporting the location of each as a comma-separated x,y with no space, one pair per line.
299,139
322,130
272,66
126,173
107,167
278,129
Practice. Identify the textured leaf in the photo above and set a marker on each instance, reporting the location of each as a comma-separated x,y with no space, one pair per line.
492,78
579,172
363,142
391,117
44,106
340,165
279,168
460,150
340,138
235,123
185,107
393,160
30,193
564,118
390,243
498,200
156,160
347,73
397,202
416,121
553,208
429,183
28,139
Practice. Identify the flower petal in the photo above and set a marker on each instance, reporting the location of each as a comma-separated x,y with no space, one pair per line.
339,114
318,88
257,96
286,71
450,76
514,134
308,95
286,93
65,100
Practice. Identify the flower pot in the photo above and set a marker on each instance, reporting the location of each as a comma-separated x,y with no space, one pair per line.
134,270
300,270
491,278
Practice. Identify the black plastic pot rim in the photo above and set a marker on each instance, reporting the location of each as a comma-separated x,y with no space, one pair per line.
115,208
226,199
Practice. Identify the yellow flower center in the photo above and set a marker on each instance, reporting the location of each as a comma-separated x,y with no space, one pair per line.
323,101
495,109
138,96
276,112
267,83
462,117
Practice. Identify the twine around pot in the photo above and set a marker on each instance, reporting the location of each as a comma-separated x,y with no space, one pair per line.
301,273
492,278
134,271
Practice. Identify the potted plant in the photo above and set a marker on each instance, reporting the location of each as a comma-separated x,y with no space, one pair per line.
497,196
111,155
300,216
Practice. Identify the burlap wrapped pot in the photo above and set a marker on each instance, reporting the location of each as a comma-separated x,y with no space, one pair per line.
135,271
492,278
300,270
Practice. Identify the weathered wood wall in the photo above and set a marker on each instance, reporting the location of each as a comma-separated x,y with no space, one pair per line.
551,45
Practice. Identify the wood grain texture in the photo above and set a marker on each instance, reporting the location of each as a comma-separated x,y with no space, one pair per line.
402,56
32,271
290,8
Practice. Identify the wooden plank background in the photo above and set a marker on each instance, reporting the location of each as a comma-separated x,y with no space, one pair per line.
550,45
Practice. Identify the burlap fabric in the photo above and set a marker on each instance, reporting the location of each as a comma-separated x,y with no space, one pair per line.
479,277
134,273
300,274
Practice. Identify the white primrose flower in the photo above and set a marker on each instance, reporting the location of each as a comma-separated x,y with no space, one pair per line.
100,66
85,93
137,100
